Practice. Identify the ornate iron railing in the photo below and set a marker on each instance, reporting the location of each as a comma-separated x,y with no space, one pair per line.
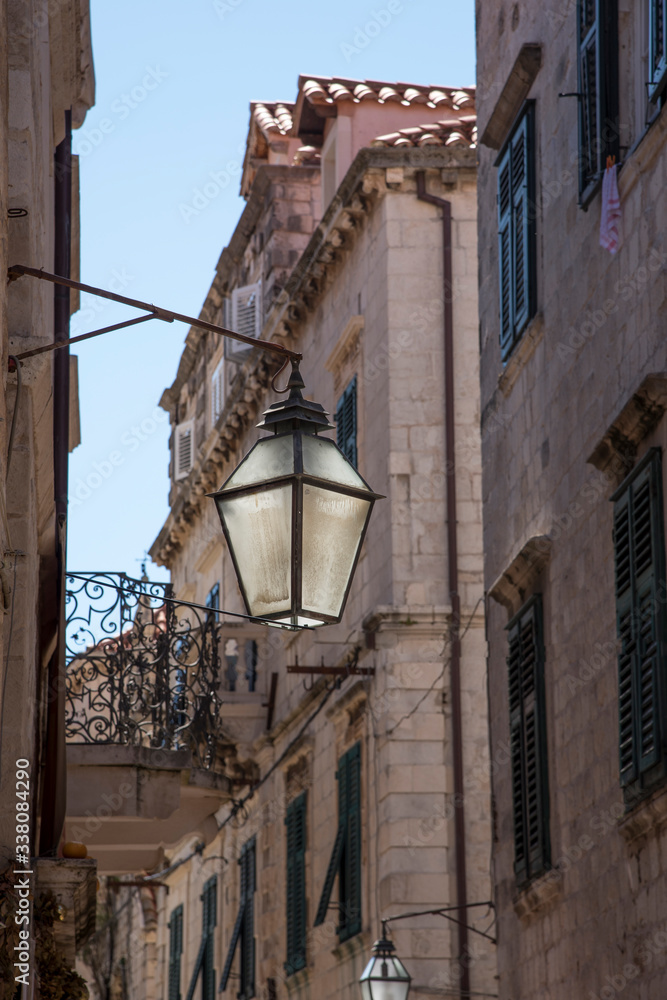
145,670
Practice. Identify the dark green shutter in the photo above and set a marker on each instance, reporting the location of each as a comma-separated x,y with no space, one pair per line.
505,255
639,565
530,789
516,231
209,922
597,37
295,822
248,926
349,805
657,49
346,422
345,858
175,952
332,870
244,928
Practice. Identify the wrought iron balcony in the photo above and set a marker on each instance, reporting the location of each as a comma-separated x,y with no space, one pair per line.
147,672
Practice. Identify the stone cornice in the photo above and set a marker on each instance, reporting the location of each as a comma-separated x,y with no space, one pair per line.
517,87
514,584
334,236
635,421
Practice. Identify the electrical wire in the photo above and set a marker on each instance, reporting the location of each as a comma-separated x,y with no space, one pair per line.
409,715
286,752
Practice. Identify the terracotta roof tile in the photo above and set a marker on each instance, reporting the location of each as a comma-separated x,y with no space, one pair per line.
332,90
273,118
448,132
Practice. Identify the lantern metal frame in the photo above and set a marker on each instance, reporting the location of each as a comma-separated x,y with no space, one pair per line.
291,418
383,952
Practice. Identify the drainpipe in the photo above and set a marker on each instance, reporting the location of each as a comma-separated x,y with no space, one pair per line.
453,579
55,771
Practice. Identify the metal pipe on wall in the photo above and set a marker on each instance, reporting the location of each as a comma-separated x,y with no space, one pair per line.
55,769
453,577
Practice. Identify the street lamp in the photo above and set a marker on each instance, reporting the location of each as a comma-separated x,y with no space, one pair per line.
294,514
385,977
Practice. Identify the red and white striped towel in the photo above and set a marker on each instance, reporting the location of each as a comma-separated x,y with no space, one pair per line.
610,219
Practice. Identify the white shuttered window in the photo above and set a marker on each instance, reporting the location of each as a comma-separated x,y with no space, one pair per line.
183,449
246,318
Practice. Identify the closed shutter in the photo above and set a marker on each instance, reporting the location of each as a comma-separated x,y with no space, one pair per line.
505,253
639,575
183,448
248,925
349,804
346,422
657,48
217,392
516,231
209,922
530,791
246,318
597,36
175,952
295,822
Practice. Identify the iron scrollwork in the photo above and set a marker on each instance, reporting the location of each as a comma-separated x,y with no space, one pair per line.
142,669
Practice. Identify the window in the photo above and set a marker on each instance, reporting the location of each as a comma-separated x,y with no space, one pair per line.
213,597
244,928
345,861
217,392
530,787
516,231
175,952
640,623
206,954
598,91
246,318
295,822
346,422
657,48
183,449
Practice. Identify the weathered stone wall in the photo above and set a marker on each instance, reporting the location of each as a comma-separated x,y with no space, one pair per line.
600,328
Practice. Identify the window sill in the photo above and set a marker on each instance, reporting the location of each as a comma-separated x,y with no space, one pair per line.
522,353
642,154
646,819
537,895
356,945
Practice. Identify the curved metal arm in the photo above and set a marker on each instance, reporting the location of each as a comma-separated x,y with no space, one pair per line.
18,270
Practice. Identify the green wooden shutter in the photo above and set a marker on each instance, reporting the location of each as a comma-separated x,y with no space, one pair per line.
505,253
175,952
516,231
530,790
209,922
657,49
350,789
236,934
346,422
248,924
640,618
332,870
597,37
295,821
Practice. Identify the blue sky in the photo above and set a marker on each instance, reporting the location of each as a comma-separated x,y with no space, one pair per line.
174,82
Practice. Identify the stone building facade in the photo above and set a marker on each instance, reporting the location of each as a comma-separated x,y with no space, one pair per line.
573,370
46,72
348,808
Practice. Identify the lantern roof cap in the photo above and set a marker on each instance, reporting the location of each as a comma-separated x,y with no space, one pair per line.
295,412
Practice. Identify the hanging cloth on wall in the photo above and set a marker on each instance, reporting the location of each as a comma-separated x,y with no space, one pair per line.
610,219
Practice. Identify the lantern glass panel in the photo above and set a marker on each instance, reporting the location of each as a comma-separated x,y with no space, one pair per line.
259,526
270,458
322,459
385,978
333,524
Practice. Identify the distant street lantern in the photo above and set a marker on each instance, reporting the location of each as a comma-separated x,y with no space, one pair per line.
294,514
385,977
